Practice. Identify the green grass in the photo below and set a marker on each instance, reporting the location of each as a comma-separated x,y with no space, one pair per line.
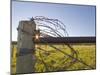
57,61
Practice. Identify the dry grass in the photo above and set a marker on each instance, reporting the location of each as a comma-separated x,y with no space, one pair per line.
57,61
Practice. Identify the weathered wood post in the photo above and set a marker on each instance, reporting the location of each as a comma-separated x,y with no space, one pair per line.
25,47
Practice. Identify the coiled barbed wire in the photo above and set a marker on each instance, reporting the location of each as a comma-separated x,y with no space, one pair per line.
55,28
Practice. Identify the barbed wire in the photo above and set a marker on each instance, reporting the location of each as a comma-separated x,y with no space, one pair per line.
55,28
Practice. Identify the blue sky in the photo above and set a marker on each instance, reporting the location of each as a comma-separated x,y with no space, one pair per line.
79,19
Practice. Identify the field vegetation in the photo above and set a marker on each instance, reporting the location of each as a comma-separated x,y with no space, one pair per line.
49,59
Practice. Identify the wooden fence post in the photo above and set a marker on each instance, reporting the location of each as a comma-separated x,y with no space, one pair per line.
25,47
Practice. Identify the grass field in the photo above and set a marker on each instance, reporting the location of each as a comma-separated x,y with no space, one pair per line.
49,59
